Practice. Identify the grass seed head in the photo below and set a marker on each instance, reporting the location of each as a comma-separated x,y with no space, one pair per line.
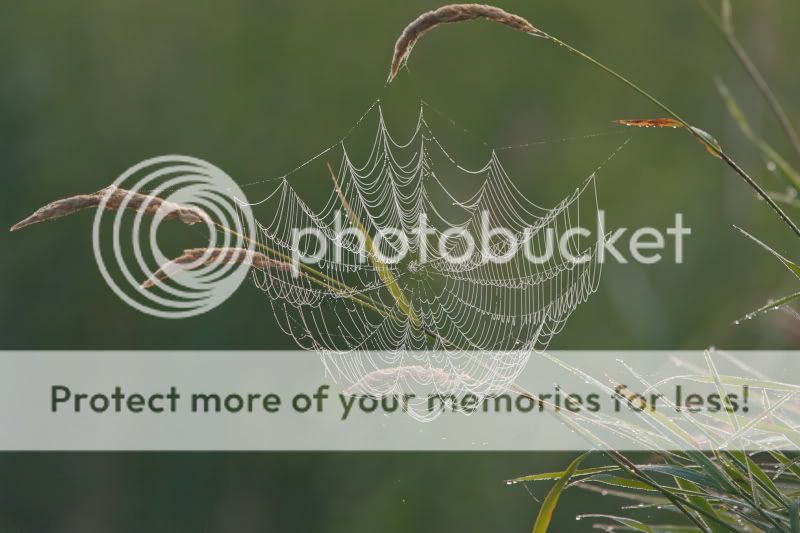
113,199
447,14
196,257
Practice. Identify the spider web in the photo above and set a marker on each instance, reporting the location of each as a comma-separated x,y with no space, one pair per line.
468,327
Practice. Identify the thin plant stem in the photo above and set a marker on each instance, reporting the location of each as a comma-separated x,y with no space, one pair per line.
718,151
320,278
755,75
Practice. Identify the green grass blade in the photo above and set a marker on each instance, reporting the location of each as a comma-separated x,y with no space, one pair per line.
767,151
695,476
556,475
701,502
732,420
772,306
382,268
629,523
764,480
791,266
640,498
752,383
551,501
789,465
619,482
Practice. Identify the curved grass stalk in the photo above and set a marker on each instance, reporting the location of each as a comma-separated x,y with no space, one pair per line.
549,504
461,12
791,176
383,269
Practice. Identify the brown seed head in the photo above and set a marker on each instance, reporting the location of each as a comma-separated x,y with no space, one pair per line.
115,199
444,15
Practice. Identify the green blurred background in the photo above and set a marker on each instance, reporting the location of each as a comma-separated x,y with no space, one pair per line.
88,88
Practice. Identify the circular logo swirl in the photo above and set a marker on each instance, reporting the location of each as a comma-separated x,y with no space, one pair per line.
157,191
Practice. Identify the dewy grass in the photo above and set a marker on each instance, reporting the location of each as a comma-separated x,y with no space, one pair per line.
725,491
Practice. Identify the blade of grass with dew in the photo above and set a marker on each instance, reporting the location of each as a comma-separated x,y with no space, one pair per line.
641,498
790,434
618,481
788,465
695,476
767,151
629,523
790,265
738,380
732,419
704,514
763,479
701,501
718,521
383,269
772,306
766,504
770,411
551,501
682,505
556,475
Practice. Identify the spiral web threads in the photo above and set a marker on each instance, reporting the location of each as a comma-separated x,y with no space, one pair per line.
473,324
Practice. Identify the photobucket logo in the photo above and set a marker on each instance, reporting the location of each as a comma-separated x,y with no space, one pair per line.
491,244
157,190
